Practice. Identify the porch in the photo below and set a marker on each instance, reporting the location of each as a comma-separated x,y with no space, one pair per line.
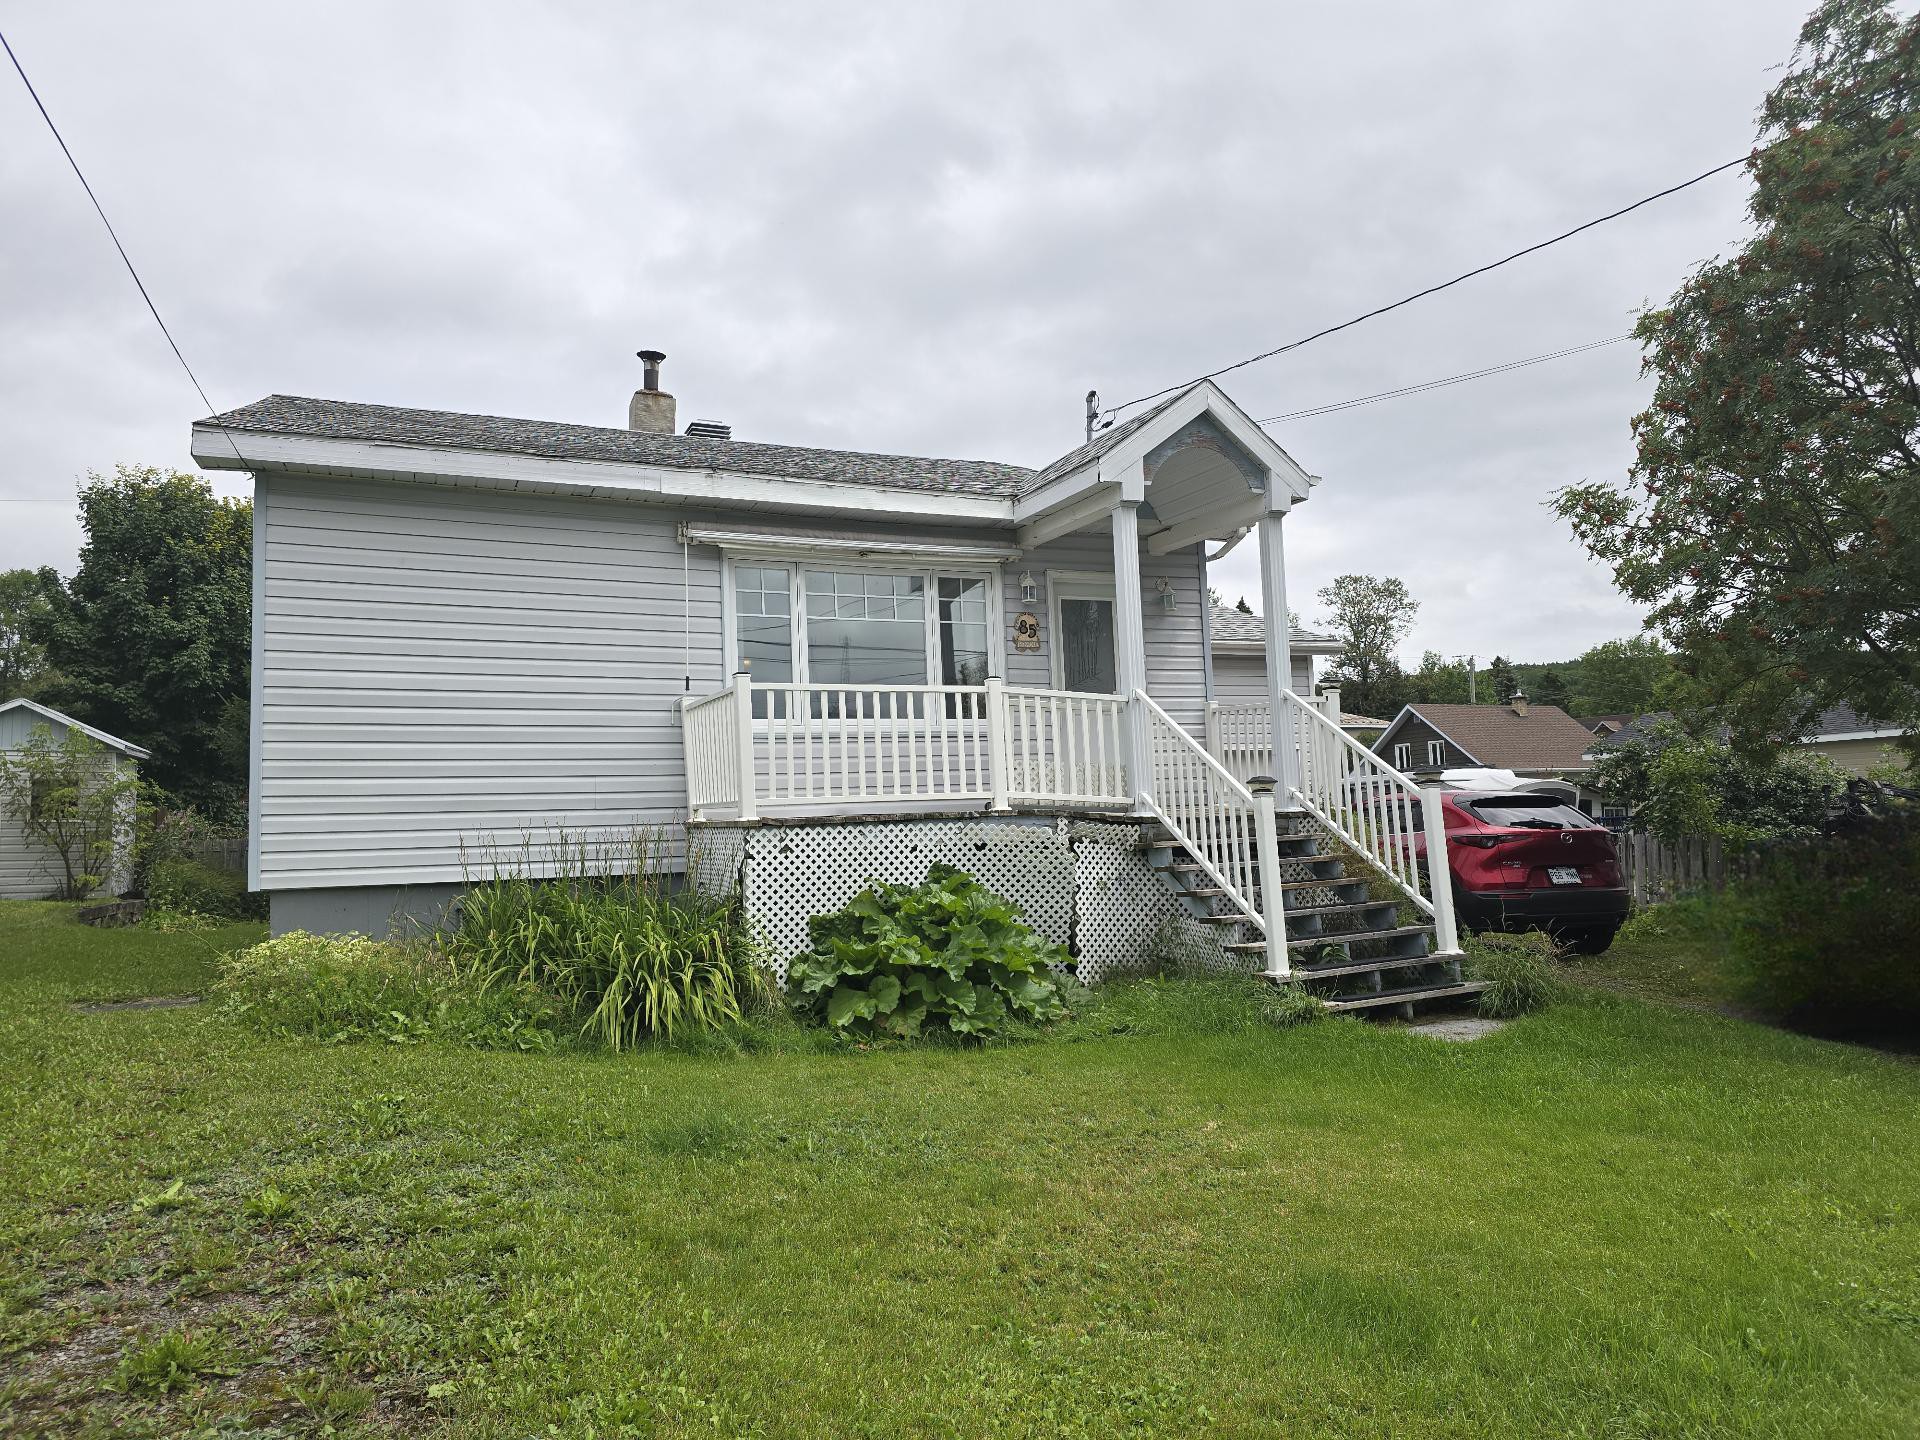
770,755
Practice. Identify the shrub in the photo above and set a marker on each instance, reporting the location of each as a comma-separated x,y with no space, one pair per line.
1823,932
183,886
1518,970
638,959
347,987
945,955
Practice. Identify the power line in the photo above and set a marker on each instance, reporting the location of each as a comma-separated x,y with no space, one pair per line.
1479,270
1426,385
125,259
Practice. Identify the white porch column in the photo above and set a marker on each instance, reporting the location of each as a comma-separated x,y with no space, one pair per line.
1130,641
1273,603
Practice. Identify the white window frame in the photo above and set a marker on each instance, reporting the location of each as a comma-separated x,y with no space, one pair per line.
796,563
1076,585
1403,755
1437,754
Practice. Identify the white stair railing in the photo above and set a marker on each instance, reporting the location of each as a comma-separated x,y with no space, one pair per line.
1224,826
1374,808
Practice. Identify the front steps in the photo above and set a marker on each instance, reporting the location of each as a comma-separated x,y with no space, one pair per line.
1352,949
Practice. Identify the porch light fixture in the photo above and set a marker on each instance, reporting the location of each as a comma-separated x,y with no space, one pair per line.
1168,600
1029,592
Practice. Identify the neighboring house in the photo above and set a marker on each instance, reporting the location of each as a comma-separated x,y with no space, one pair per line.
1855,744
1604,725
1239,656
828,665
29,870
1530,740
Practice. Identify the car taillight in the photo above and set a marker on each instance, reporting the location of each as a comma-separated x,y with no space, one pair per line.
1483,842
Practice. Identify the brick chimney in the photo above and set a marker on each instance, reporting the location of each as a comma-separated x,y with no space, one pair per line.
651,408
1518,701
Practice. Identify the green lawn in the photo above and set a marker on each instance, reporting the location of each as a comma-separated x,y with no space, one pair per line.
1612,1220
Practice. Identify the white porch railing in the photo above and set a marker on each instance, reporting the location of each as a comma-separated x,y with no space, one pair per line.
1066,746
1373,807
1241,738
753,746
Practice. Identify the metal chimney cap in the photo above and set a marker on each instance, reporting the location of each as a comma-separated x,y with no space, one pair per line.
652,357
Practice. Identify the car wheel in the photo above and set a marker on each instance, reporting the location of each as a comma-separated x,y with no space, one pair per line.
1591,941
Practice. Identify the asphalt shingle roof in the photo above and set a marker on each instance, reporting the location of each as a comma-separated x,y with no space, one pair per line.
1840,720
1545,738
1097,446
1227,623
393,425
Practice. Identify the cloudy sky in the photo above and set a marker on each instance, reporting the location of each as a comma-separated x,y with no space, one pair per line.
891,227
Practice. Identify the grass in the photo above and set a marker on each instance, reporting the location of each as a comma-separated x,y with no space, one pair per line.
1611,1219
1675,953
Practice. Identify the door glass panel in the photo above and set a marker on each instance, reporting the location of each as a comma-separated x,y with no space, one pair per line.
1086,645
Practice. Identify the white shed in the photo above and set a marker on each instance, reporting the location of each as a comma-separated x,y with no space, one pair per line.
28,869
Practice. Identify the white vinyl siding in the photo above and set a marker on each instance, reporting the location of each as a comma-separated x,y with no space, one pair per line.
1176,665
29,868
444,668
1241,679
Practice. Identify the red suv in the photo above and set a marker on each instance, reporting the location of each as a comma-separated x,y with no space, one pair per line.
1532,862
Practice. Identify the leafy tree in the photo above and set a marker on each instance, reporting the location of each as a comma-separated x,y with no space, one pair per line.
1501,682
1623,677
68,795
1771,520
1549,687
25,597
151,637
1371,615
1679,785
1438,681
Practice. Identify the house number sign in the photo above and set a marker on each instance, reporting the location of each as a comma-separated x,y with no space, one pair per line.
1026,631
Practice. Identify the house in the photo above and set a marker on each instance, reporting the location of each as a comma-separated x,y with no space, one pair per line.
809,667
29,869
1238,656
1604,725
1841,733
1530,740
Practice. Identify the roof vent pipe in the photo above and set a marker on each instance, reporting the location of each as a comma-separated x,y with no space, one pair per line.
651,409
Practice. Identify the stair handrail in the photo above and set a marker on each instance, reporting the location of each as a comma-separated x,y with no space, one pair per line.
1375,809
1236,844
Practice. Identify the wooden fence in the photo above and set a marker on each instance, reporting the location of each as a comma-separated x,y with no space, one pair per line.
1659,870
223,852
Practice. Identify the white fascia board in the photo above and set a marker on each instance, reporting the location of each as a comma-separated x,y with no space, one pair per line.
1066,490
1095,502
1207,398
1259,647
760,542
55,717
1839,735
215,449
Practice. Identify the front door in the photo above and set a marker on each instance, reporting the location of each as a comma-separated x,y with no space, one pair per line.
1083,641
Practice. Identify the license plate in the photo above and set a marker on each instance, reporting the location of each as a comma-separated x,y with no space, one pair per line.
1563,874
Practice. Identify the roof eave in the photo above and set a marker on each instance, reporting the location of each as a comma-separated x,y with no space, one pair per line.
218,448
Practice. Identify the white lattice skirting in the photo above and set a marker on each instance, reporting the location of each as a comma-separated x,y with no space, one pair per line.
1082,883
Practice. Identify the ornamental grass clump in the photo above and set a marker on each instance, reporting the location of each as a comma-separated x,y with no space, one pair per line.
1517,969
945,956
606,932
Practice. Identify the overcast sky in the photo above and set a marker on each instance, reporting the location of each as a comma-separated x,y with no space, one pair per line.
891,227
